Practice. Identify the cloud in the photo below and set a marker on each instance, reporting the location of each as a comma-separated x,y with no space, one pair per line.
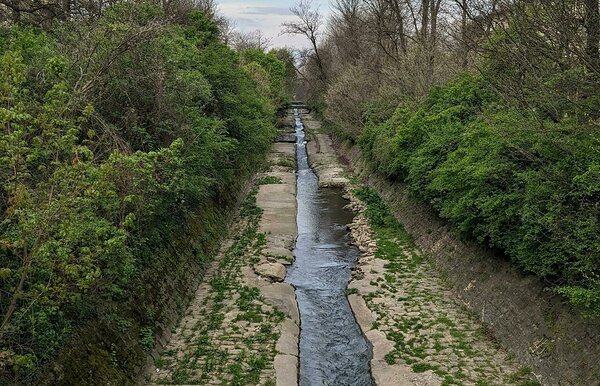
266,15
245,23
268,11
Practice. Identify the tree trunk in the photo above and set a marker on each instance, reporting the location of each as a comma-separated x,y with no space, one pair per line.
400,19
464,43
322,73
592,27
431,42
424,20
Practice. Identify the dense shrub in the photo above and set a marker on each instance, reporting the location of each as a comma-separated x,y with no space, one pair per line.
525,184
110,140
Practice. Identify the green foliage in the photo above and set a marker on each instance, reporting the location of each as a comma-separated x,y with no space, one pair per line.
147,338
101,164
377,212
269,180
503,178
286,56
269,73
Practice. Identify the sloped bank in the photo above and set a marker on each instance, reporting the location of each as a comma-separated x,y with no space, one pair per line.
420,334
120,345
538,328
117,347
242,325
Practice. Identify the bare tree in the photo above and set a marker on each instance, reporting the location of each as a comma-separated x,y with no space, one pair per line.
253,39
592,26
388,26
39,12
309,25
346,27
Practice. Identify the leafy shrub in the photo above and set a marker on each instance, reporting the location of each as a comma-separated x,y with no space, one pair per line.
102,163
502,179
147,338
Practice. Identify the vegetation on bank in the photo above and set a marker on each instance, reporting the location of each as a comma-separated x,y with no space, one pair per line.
532,193
116,130
429,331
487,110
230,337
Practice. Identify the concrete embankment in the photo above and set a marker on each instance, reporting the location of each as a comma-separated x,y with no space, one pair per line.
421,333
242,326
278,222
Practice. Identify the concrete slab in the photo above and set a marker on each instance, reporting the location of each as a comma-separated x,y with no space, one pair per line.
286,370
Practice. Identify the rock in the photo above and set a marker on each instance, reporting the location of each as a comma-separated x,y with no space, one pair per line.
277,251
288,340
381,345
386,375
274,271
400,374
283,296
284,260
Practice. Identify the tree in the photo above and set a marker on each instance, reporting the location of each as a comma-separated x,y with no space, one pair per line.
244,40
103,163
309,25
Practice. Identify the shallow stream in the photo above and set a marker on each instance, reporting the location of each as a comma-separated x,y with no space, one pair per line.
333,350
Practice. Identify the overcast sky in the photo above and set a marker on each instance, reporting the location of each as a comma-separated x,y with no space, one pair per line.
266,15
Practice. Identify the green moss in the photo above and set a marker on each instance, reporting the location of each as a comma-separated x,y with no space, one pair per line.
389,358
421,367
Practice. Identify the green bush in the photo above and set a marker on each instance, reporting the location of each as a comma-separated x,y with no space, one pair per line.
102,163
501,178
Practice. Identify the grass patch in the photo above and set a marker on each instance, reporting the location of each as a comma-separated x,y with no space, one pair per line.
209,359
389,358
286,163
425,335
422,367
523,377
269,180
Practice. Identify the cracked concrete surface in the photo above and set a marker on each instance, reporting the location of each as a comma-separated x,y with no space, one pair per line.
242,326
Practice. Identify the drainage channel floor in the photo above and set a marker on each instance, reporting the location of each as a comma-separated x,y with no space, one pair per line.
333,350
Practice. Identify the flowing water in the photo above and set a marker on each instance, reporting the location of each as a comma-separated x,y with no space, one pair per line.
333,350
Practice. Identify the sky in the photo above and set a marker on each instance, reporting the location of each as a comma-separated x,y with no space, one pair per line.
267,16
